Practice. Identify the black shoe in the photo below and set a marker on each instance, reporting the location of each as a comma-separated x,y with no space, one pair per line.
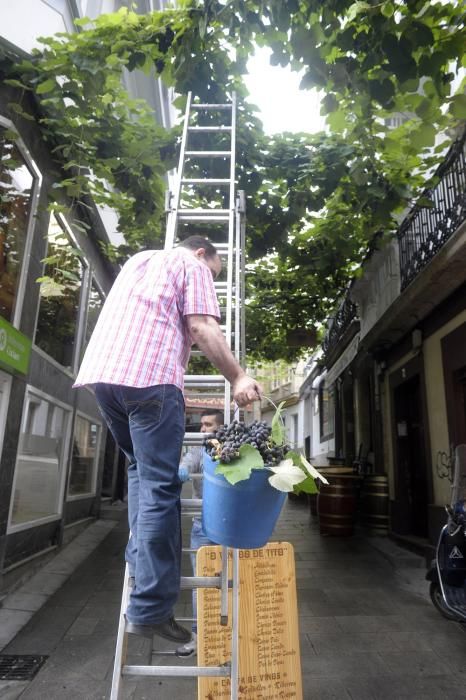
169,629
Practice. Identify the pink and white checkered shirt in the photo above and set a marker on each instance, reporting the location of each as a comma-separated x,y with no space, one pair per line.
141,338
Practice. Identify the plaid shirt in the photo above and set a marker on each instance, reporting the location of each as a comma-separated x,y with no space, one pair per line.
141,338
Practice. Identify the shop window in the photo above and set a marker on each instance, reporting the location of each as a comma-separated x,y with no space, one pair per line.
60,293
326,412
84,457
38,484
16,195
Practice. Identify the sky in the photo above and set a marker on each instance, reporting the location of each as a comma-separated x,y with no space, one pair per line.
283,106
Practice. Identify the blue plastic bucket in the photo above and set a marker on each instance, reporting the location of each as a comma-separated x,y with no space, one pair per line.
241,515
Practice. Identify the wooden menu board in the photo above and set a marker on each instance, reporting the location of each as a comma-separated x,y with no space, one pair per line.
269,658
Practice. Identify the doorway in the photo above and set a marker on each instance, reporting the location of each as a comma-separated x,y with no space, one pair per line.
412,490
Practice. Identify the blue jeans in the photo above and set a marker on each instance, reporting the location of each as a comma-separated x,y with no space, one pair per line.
198,539
148,425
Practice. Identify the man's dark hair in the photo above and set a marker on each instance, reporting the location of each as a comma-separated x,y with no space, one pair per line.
214,412
196,242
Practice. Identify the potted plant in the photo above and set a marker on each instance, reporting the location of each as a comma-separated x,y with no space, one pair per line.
248,470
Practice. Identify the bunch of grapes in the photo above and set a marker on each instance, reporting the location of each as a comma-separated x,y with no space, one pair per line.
227,440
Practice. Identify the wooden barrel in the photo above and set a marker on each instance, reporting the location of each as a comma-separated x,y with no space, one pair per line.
336,505
374,504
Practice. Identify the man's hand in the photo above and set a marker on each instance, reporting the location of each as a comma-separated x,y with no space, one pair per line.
245,390
183,474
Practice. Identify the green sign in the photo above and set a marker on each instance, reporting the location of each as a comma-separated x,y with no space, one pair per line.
15,348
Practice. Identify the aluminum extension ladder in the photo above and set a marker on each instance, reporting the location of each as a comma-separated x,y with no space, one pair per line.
223,222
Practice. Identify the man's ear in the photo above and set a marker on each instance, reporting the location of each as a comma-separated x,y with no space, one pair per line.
200,252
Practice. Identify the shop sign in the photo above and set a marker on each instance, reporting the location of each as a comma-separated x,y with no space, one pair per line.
15,348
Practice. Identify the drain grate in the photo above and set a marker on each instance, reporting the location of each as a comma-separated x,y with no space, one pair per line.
20,667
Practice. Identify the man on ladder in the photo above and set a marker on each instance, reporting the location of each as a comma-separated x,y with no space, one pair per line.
160,304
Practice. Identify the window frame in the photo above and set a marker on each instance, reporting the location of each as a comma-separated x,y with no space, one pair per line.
89,494
82,303
35,194
11,527
325,437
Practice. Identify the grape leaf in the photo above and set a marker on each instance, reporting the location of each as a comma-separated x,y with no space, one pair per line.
278,433
240,468
306,486
286,475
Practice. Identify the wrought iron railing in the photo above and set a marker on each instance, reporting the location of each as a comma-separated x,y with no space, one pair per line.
426,229
346,314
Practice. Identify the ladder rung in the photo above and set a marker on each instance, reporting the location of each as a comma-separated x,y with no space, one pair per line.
183,671
189,582
208,154
205,181
209,128
194,438
191,213
204,379
203,105
191,502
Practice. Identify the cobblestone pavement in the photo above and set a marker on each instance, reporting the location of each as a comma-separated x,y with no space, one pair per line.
368,629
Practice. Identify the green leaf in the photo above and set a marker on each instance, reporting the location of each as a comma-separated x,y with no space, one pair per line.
306,486
356,8
16,83
423,137
278,433
457,106
240,468
46,86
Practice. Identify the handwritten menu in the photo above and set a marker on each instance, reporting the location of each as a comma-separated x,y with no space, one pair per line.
269,658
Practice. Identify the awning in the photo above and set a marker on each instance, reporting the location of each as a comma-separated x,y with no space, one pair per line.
343,361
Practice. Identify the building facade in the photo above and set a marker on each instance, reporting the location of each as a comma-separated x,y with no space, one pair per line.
56,459
394,360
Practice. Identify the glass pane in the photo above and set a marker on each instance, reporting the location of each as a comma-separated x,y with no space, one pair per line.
93,310
15,205
83,461
40,461
59,297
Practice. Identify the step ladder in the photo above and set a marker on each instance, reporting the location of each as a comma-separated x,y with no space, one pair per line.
206,145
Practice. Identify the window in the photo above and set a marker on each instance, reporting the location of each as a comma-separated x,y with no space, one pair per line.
38,484
16,196
96,301
60,293
326,412
86,441
295,430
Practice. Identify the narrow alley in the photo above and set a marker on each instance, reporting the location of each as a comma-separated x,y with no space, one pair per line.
368,629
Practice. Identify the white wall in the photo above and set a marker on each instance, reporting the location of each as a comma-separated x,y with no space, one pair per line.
23,21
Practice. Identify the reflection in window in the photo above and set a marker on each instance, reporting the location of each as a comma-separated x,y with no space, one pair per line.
40,462
94,308
16,183
84,457
60,289
326,411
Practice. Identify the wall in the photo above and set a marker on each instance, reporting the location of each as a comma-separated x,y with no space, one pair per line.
437,403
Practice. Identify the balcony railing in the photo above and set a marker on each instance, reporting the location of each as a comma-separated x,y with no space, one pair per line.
426,229
346,314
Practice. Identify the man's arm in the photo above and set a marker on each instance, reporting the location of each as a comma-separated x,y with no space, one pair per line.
207,335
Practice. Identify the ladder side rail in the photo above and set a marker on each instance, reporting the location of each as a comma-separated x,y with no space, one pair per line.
231,233
234,677
122,642
238,296
172,221
242,285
